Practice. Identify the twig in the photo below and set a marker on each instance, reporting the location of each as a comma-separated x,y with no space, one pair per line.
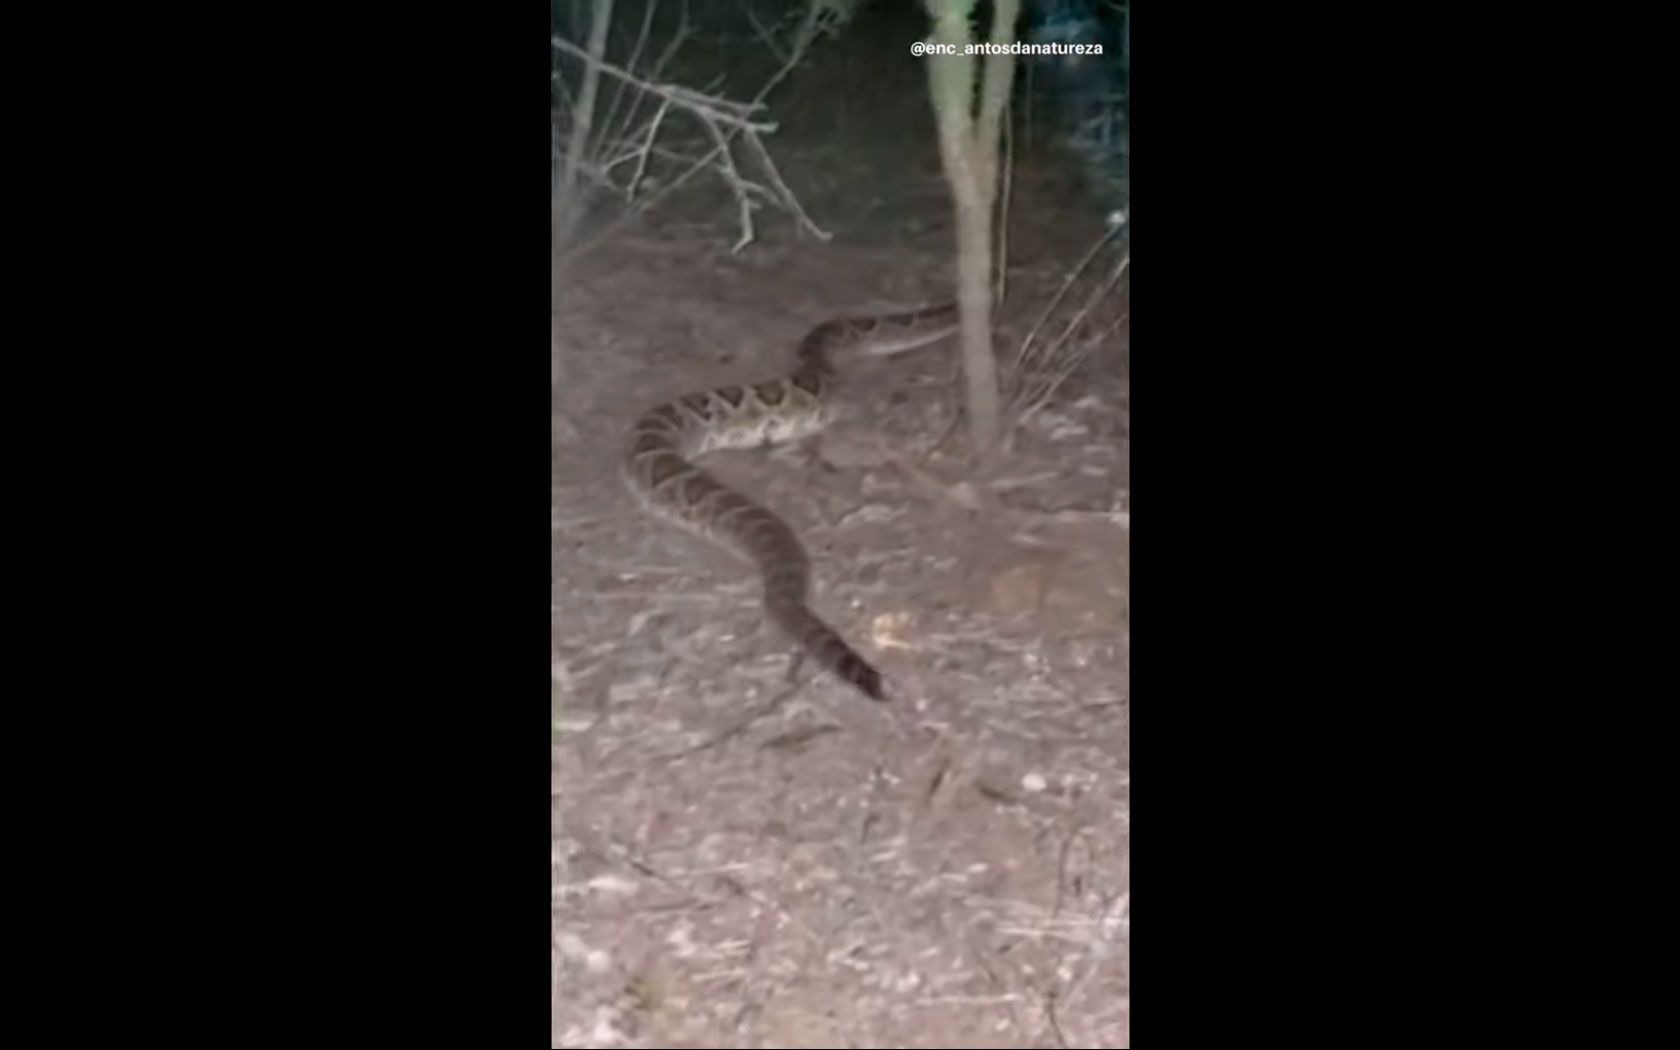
788,199
764,35
1004,195
1035,389
743,203
611,129
1050,1015
583,112
1067,282
720,109
642,154
1040,368
1061,869
802,43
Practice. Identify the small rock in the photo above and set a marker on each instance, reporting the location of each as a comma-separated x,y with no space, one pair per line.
888,630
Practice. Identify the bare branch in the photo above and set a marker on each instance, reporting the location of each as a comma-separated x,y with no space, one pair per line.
723,121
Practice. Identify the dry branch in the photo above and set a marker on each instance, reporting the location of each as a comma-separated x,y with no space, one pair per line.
627,136
1041,366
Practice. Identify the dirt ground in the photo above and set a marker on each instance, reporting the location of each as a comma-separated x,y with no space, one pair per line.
745,860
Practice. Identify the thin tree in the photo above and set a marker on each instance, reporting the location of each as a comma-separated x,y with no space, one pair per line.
970,113
583,114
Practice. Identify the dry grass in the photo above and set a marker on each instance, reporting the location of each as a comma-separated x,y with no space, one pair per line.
1089,312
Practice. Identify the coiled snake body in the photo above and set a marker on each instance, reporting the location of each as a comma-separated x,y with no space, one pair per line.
658,469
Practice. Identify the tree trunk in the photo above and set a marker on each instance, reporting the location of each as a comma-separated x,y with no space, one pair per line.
969,150
583,117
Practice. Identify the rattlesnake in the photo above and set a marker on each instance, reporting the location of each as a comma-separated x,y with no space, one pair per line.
794,406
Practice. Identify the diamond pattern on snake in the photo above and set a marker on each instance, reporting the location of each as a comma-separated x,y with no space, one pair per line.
659,470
